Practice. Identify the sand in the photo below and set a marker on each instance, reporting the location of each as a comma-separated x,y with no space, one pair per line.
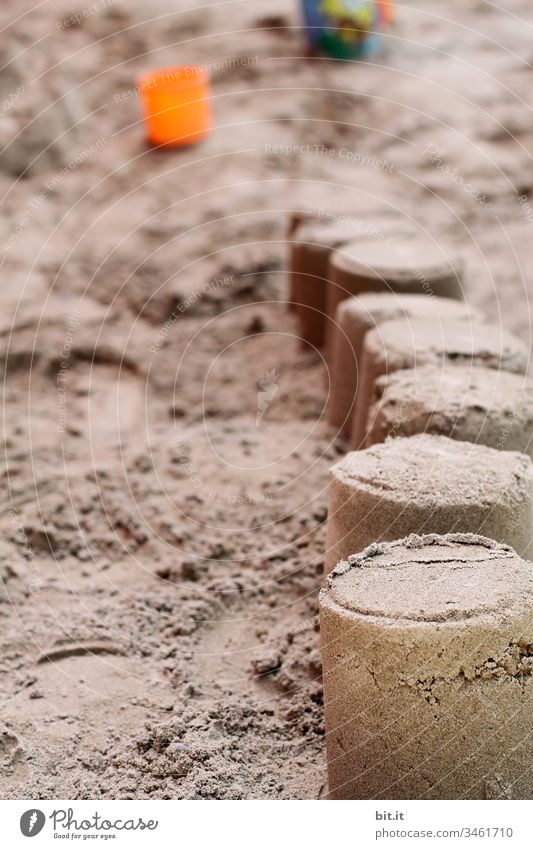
354,318
468,403
411,343
428,484
426,644
145,532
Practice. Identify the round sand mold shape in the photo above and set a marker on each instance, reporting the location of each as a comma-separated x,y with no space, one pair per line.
354,319
427,649
406,265
311,247
309,258
468,403
410,343
428,484
296,219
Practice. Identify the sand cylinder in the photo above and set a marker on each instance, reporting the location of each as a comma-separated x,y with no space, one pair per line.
312,243
427,649
354,318
296,219
410,343
310,251
468,403
428,484
408,264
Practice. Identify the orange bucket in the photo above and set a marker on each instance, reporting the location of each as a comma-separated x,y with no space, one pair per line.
176,104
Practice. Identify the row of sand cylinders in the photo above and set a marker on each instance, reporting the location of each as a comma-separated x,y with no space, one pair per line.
427,611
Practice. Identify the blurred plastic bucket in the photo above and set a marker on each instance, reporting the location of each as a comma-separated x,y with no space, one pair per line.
176,104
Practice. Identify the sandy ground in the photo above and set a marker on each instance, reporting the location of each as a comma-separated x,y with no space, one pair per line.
164,481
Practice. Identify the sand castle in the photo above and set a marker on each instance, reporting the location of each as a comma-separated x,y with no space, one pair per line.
313,240
428,660
428,610
312,245
468,403
428,484
334,257
405,344
404,265
355,317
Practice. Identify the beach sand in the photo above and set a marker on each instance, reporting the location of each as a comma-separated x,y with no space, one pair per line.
165,444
